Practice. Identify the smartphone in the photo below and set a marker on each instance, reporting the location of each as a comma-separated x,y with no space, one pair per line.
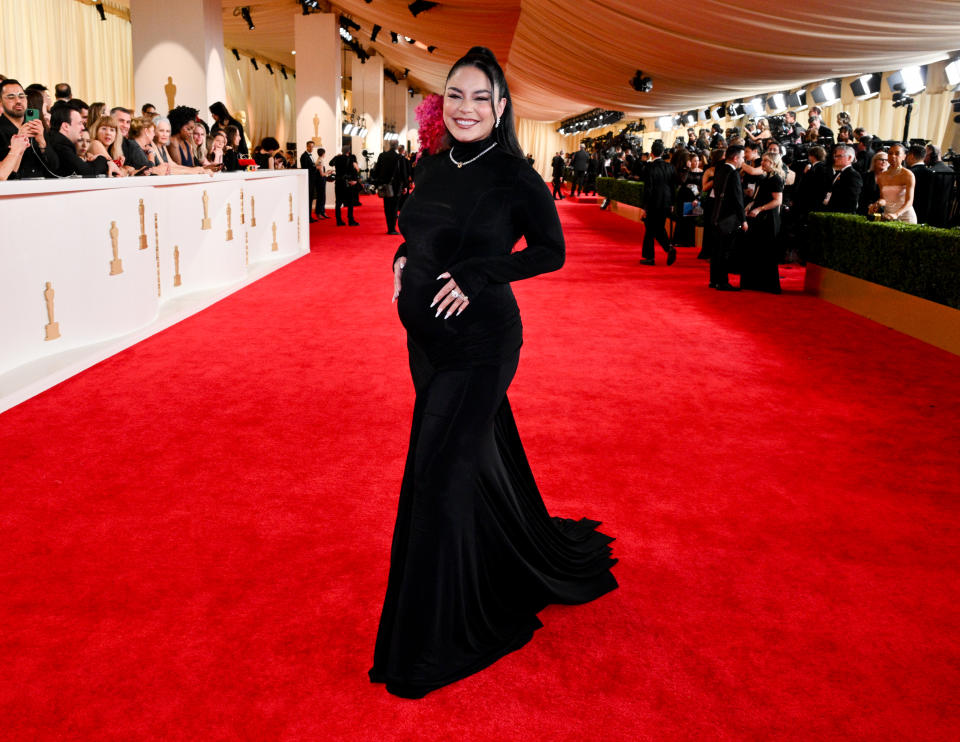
31,115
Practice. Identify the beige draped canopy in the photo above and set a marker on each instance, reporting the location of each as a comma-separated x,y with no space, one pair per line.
563,57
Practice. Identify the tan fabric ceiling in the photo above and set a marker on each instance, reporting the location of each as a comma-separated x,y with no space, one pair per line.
563,57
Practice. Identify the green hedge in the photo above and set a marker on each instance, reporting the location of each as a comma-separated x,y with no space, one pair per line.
617,189
913,258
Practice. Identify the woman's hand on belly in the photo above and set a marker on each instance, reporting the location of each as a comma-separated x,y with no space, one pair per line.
451,298
397,276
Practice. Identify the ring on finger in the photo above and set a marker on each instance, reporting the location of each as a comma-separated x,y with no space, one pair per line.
455,294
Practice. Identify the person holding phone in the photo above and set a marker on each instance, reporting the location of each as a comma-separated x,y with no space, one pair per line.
37,160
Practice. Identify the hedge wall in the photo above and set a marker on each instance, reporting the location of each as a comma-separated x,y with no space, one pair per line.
625,191
913,258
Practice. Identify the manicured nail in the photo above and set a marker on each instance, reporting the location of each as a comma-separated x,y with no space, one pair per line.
460,311
447,315
438,313
434,303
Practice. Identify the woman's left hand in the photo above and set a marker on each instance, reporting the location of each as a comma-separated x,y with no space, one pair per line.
451,298
753,212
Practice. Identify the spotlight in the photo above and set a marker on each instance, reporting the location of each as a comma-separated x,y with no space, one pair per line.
389,74
665,123
269,68
797,99
777,103
283,71
690,118
826,94
373,33
420,6
345,34
254,63
101,11
909,80
640,83
349,24
956,109
718,113
236,54
245,14
394,38
431,49
953,72
735,110
866,86
754,107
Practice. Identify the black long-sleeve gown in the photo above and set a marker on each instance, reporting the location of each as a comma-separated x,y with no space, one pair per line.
475,554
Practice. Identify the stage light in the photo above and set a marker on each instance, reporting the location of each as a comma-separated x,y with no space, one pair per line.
245,14
777,103
690,118
909,80
236,54
101,11
349,23
345,34
431,49
420,6
754,107
640,83
254,63
718,113
827,93
283,71
953,72
665,123
797,99
703,115
269,68
373,33
956,109
394,38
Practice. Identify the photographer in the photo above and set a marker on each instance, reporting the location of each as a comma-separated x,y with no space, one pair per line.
347,185
387,175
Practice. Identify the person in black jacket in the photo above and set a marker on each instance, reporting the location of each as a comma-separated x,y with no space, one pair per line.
924,181
65,128
308,162
557,165
347,183
223,119
728,218
661,179
388,175
38,160
843,192
941,187
579,161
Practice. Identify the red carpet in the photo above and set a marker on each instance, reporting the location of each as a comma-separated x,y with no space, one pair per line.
195,532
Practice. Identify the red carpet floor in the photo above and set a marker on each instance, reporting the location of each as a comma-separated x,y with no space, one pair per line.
195,532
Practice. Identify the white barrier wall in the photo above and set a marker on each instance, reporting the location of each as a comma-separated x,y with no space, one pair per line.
84,261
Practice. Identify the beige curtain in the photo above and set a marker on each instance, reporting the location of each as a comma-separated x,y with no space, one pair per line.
541,140
51,41
267,101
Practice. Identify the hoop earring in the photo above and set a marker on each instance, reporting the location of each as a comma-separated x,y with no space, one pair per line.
497,125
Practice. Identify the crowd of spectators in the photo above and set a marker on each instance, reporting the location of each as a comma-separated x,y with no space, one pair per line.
41,137
888,180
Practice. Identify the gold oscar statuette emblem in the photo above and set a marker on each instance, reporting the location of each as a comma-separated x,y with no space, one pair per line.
243,218
170,90
246,248
290,219
52,328
253,212
274,247
316,127
116,265
143,228
229,222
176,265
205,224
156,244
298,228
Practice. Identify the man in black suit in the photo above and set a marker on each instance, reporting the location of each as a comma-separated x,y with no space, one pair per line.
728,218
941,187
388,175
557,165
39,160
823,131
843,193
924,181
661,179
308,162
580,161
65,128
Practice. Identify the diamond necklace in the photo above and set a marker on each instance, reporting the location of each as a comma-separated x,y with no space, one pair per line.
467,162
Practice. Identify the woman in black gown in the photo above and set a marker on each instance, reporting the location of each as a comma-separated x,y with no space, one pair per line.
761,257
475,555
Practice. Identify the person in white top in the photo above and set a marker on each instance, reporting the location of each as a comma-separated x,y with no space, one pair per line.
897,185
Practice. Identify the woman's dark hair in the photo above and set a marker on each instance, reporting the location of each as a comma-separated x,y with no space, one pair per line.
202,123
231,132
180,117
220,112
268,144
35,100
484,60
